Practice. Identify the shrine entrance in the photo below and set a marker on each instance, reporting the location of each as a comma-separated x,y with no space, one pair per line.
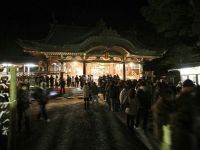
99,69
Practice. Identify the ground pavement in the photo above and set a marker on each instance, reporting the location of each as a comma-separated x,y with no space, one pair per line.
73,128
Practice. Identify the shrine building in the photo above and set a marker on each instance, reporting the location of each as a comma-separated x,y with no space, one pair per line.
97,51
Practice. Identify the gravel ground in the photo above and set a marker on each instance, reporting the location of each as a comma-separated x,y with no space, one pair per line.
73,128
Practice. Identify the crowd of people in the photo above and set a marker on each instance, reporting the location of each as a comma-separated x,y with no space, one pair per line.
174,106
168,104
69,81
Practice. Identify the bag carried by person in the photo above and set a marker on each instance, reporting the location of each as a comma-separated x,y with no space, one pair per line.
127,110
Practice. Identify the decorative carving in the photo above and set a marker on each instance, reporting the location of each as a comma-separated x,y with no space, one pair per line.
109,32
101,24
78,58
41,66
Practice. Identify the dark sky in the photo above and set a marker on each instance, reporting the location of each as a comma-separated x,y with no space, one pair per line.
31,18
33,14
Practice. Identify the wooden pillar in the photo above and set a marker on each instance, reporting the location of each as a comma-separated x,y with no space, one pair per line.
197,80
140,61
24,69
84,64
62,70
141,69
124,71
47,65
12,107
84,67
28,70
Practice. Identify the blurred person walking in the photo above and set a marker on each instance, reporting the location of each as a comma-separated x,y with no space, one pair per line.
185,124
162,110
42,97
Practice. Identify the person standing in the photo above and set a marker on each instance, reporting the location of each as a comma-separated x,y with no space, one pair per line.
185,122
162,111
51,81
73,81
94,92
23,102
113,92
144,106
42,97
47,79
62,86
123,96
69,80
56,81
132,108
76,81
86,93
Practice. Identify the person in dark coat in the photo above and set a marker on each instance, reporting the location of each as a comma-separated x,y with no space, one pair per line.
162,110
76,81
185,124
51,81
144,106
62,86
42,97
23,102
113,92
69,81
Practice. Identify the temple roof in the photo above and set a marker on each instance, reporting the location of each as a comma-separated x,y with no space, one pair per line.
62,34
63,38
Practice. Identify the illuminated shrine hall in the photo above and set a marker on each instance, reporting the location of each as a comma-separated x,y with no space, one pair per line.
97,51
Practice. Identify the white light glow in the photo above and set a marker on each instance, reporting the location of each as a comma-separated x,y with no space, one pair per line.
30,65
6,64
191,70
131,64
75,63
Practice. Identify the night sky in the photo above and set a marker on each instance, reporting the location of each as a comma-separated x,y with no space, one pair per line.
30,19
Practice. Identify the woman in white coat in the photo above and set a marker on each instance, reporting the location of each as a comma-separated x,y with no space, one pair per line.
132,108
86,93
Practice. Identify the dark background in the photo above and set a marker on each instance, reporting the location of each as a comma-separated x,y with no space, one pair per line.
35,15
31,19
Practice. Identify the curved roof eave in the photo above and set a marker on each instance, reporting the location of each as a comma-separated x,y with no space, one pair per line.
87,44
